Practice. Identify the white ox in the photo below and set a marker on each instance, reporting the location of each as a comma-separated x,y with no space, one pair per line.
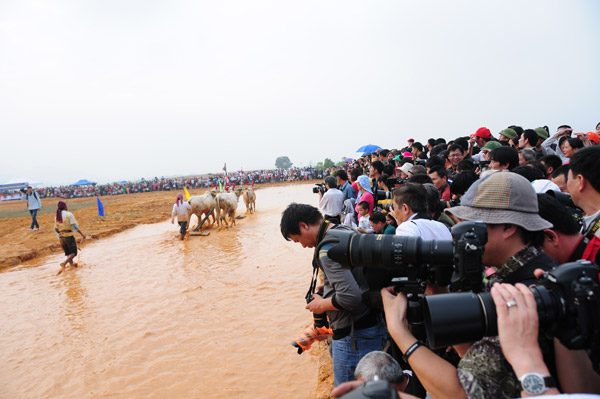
204,204
250,199
227,203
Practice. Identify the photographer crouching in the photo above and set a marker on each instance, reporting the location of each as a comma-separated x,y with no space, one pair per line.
357,328
331,200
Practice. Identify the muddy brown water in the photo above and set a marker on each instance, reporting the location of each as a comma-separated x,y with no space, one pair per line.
149,316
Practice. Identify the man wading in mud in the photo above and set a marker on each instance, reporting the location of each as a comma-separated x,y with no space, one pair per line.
64,226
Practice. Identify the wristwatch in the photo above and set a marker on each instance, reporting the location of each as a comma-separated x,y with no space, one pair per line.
536,384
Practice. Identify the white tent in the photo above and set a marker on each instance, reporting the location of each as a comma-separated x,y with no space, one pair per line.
19,183
21,179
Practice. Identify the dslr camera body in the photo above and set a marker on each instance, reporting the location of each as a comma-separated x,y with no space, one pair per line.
568,305
319,188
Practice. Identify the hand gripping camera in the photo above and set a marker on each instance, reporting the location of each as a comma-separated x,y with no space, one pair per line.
568,304
320,324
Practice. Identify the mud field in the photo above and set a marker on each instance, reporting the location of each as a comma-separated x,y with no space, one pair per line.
147,315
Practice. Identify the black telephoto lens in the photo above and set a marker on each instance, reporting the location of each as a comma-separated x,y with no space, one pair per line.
376,250
463,317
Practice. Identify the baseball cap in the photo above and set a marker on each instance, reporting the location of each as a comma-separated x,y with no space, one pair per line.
413,140
593,136
484,133
541,132
490,145
502,197
407,155
509,133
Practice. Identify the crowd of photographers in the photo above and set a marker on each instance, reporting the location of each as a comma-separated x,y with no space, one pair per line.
434,249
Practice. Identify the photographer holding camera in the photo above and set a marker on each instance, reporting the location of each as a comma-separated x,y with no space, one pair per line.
357,328
507,204
331,201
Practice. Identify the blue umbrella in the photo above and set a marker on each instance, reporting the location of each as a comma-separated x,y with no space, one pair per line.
368,148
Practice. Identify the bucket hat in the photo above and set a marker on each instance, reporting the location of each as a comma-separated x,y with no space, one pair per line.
406,168
363,181
502,197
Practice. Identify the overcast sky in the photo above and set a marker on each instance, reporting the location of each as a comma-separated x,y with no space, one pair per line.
117,89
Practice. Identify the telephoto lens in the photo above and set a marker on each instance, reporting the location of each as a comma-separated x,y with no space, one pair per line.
376,250
458,318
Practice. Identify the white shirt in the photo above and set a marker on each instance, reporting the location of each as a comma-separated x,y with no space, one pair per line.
182,211
424,228
332,202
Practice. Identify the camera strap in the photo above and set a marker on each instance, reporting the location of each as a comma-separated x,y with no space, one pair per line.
315,263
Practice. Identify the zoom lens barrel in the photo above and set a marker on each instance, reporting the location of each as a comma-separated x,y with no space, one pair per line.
464,317
376,250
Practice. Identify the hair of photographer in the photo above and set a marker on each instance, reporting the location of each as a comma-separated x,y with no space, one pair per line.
410,211
584,184
377,168
378,364
433,161
560,176
551,162
439,176
379,224
527,156
530,172
434,206
569,146
297,214
464,165
389,168
462,182
331,182
562,240
528,139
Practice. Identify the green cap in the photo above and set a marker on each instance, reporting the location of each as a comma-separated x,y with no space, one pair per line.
510,133
490,145
541,132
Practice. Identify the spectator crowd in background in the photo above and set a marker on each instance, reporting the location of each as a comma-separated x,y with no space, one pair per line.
170,184
538,195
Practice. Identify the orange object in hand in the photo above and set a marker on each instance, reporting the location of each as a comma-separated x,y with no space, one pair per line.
306,339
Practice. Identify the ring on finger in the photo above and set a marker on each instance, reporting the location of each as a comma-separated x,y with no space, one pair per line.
510,304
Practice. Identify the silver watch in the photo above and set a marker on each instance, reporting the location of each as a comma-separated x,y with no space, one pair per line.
536,384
